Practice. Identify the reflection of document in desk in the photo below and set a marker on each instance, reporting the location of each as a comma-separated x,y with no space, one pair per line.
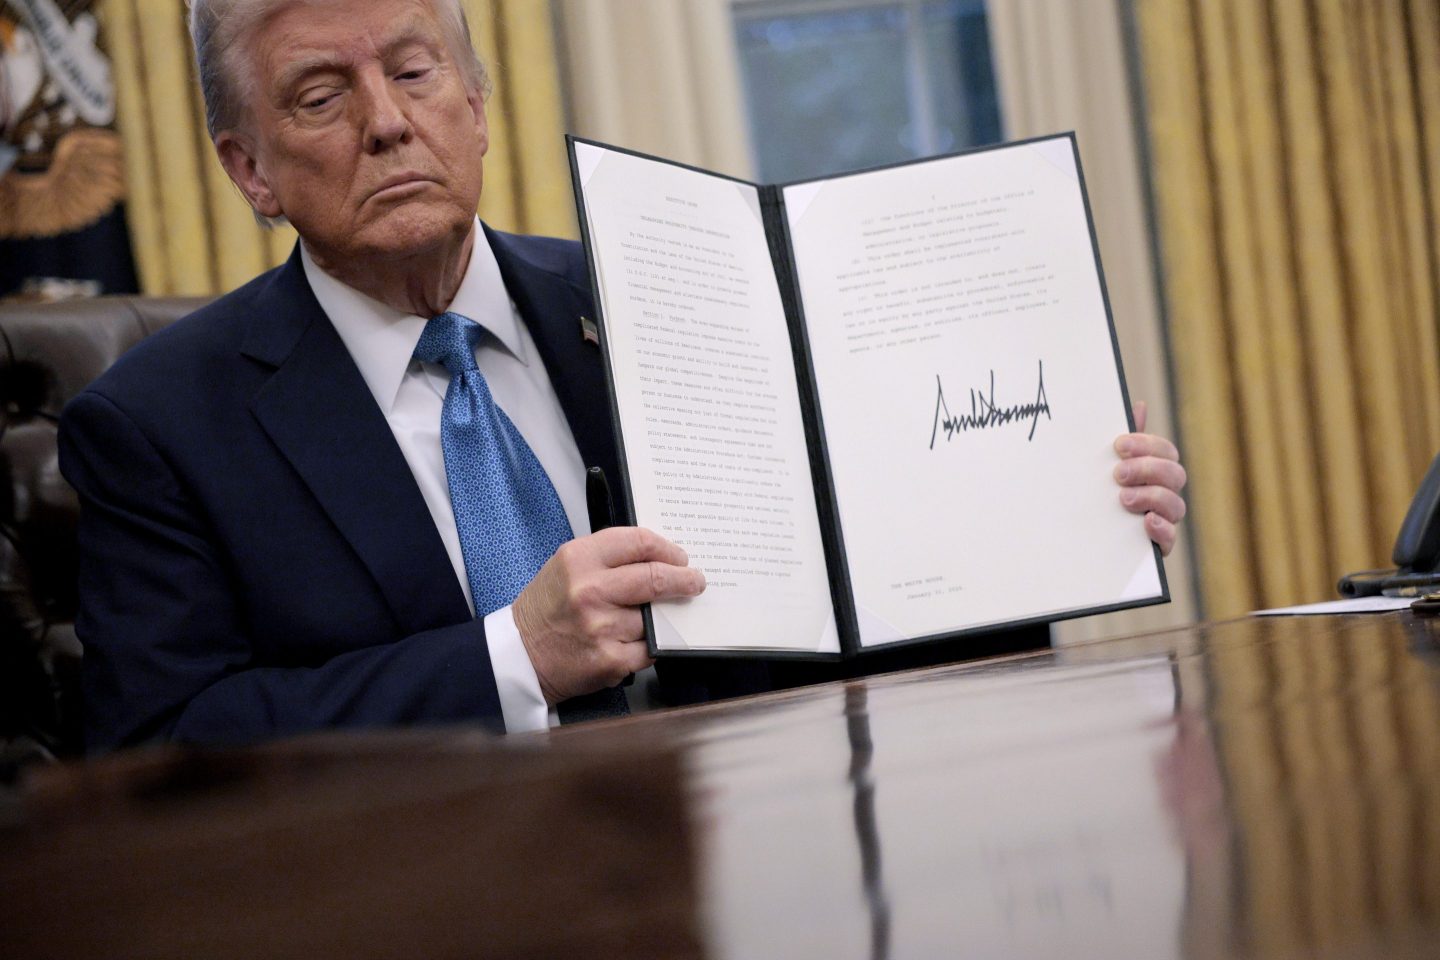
1062,845
876,408
1006,813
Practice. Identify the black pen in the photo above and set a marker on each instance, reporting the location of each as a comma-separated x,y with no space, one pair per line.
597,500
602,515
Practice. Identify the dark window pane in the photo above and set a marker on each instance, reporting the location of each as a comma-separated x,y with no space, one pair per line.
857,86
824,91
961,74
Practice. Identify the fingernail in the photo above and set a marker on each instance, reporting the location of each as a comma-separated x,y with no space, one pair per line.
1124,446
1123,472
1128,497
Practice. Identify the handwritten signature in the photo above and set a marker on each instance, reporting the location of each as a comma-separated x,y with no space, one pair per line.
985,414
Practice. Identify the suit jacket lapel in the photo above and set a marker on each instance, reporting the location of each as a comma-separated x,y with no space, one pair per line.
320,414
552,304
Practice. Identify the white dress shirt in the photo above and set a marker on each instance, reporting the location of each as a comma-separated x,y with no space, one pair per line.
381,340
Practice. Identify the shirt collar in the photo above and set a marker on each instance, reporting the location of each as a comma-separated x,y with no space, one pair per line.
381,339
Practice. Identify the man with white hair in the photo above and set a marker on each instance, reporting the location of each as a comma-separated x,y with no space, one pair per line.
351,493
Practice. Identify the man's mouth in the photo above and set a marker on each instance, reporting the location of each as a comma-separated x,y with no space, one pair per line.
400,184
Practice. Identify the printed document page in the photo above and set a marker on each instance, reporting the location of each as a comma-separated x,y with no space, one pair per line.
704,379
970,391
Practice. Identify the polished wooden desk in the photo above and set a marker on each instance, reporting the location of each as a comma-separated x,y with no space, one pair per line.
1256,788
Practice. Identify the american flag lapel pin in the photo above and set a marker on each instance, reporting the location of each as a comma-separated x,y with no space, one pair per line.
589,331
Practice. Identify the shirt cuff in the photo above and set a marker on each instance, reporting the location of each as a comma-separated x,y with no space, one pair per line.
522,705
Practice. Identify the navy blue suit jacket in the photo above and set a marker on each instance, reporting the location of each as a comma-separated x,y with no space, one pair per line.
257,559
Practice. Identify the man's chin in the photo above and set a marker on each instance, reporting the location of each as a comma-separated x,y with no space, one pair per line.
404,235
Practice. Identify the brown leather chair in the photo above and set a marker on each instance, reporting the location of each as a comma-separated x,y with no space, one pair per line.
48,353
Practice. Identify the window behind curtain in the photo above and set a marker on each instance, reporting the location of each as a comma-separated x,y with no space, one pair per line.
835,85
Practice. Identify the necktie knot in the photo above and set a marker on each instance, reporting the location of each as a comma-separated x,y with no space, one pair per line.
449,339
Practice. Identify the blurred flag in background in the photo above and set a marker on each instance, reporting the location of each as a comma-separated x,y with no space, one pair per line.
62,176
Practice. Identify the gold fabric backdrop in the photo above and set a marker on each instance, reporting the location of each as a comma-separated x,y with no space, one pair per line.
1296,162
192,232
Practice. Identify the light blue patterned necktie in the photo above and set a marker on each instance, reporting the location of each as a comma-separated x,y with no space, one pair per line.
506,510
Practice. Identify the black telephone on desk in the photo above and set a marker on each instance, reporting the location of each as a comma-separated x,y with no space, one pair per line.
1417,549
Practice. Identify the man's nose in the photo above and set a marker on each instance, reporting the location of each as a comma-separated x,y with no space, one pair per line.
384,120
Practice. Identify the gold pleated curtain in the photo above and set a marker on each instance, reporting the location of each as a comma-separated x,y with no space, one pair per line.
1296,165
192,232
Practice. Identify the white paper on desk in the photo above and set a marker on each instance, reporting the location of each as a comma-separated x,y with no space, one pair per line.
705,385
1354,605
967,285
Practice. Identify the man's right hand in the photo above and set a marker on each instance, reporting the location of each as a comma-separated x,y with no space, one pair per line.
579,619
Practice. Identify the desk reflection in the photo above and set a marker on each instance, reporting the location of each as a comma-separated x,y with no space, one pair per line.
1016,811
867,831
1262,788
1259,788
1329,744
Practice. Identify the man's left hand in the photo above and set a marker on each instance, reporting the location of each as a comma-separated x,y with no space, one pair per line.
1151,478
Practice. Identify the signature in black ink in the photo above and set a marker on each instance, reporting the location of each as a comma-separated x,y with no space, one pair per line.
984,414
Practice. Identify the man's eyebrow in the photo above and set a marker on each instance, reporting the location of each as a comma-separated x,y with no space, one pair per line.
290,75
407,33
411,30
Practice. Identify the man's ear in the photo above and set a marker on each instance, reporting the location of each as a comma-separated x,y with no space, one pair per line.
237,156
482,128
